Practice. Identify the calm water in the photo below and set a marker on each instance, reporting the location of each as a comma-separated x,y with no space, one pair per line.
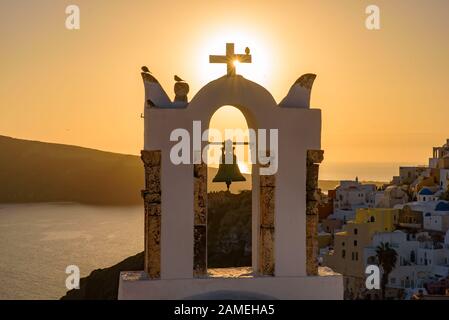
38,241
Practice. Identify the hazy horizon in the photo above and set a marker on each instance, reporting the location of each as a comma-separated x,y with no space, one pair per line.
383,94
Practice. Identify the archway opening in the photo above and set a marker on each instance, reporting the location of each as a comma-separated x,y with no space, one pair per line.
229,221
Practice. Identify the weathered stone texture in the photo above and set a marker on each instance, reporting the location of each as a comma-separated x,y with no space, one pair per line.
312,177
153,246
311,208
152,204
267,210
266,251
200,219
200,252
314,157
267,206
311,245
267,181
151,158
153,179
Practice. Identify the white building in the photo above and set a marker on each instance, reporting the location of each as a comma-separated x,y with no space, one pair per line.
427,194
435,214
393,195
352,195
419,259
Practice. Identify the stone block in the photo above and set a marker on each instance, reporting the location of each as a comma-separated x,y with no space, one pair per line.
153,179
267,180
267,198
200,215
153,246
200,170
151,197
315,156
151,158
311,208
311,244
200,251
266,266
312,177
153,209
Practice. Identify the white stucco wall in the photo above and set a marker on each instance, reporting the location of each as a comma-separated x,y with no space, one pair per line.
285,288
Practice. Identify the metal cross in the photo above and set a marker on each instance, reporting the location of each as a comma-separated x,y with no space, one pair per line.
231,58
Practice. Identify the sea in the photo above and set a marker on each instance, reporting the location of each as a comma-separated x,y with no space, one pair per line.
39,241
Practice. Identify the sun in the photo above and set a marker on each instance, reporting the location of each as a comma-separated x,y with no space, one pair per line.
236,62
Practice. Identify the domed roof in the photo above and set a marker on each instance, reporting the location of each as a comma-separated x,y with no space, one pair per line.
442,206
425,192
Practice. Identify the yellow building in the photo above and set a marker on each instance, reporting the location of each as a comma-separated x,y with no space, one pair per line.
378,219
347,256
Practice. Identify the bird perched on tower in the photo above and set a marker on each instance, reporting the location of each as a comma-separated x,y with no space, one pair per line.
145,69
178,79
181,90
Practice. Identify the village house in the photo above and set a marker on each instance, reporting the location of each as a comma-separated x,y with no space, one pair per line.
350,196
391,196
410,219
419,259
427,194
440,157
331,225
435,176
347,254
435,214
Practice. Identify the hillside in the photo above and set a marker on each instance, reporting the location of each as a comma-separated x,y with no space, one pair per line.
33,171
102,284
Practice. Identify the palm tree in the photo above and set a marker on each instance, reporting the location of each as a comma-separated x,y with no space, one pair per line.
387,257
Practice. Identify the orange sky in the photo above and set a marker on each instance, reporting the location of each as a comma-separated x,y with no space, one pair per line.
383,93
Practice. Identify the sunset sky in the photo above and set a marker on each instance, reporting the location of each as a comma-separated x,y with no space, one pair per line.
383,94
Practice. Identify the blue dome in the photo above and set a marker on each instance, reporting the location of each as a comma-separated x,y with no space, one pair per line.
425,192
442,206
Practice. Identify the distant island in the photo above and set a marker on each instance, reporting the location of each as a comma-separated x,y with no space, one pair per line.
32,171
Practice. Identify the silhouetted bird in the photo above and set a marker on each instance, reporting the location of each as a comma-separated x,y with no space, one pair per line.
247,50
178,79
145,69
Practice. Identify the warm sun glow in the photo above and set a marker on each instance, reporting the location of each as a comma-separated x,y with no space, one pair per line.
236,62
229,117
244,167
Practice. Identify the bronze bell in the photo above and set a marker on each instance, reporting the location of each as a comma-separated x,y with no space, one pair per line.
228,172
